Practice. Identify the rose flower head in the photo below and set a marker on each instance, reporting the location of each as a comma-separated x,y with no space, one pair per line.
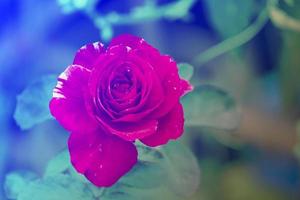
110,97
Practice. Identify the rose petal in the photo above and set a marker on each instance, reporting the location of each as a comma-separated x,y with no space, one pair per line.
186,87
149,102
169,127
101,157
68,104
129,131
119,101
87,55
104,113
156,97
173,87
165,68
137,44
127,40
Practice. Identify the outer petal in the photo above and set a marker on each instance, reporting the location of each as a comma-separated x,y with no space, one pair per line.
87,55
137,44
169,127
127,40
173,86
68,104
101,157
186,87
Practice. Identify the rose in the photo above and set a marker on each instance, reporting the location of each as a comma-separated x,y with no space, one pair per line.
108,98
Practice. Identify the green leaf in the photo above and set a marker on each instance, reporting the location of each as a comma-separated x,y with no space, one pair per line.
26,186
186,70
229,17
182,169
58,164
57,187
16,182
290,2
164,173
210,107
32,104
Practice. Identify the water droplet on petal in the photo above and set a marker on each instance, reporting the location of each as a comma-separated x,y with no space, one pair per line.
100,148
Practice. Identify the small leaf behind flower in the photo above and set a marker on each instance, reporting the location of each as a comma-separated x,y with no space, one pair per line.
186,71
32,104
163,173
210,107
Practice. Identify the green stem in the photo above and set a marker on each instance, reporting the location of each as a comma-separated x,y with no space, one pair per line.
235,41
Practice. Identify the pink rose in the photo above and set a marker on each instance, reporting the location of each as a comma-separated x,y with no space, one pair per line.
108,98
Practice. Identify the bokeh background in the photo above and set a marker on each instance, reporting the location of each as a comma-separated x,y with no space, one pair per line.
249,49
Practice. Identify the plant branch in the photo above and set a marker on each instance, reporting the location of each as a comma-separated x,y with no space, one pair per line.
235,41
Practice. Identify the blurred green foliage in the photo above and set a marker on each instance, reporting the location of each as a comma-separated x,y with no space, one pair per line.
149,11
186,70
210,107
232,17
241,182
168,172
32,103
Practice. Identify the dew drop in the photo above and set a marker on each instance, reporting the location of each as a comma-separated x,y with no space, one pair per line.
100,148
